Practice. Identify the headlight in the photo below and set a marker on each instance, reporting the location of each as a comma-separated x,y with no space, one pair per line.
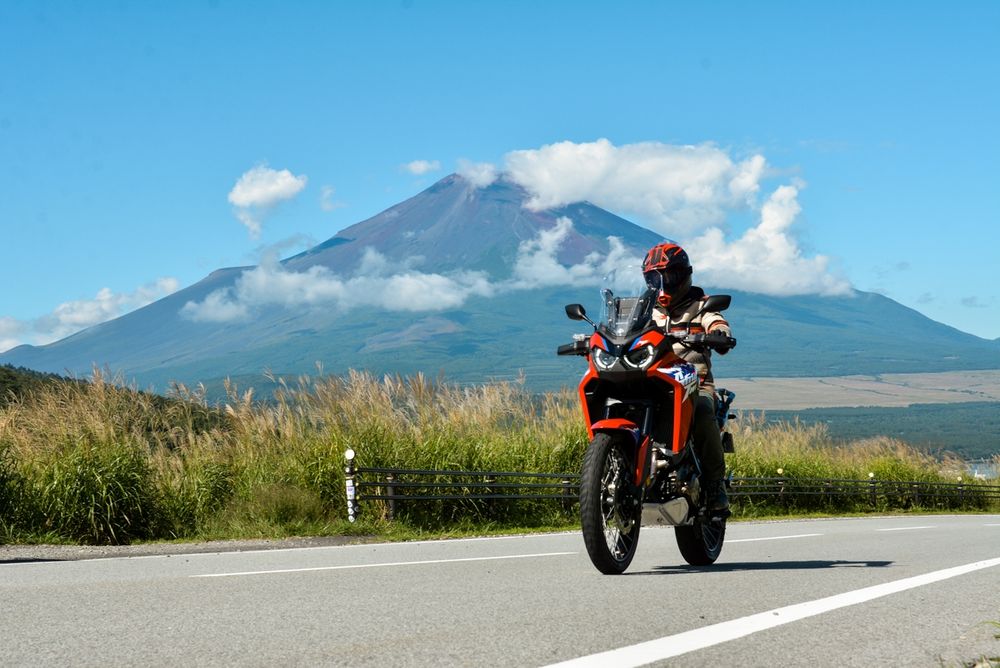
640,358
603,359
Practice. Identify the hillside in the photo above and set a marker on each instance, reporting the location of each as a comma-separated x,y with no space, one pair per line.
17,382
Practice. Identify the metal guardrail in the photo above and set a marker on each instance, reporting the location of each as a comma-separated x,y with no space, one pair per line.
392,485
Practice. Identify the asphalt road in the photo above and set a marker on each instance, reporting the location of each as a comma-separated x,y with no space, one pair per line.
906,591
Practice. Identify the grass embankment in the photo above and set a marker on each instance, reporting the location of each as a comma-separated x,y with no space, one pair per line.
94,462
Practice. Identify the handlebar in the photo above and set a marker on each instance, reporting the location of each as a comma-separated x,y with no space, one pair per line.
720,343
575,348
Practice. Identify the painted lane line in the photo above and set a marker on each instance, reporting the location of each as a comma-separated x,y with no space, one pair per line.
384,564
751,540
991,525
716,634
308,548
904,528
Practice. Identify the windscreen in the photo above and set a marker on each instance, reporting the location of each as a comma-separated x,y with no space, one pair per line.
627,300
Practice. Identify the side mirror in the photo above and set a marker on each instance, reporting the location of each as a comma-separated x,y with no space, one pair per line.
717,303
576,312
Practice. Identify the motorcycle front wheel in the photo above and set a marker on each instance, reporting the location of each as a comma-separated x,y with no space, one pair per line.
609,513
701,543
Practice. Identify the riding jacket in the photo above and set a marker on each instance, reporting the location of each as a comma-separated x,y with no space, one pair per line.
683,317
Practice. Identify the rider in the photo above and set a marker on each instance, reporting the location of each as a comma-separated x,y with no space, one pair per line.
668,270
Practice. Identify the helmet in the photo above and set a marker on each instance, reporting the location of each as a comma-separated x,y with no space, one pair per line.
668,270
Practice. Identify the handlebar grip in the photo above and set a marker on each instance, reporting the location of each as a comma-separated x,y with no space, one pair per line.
717,342
720,343
575,348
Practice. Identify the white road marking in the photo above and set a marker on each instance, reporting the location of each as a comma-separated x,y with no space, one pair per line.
751,540
383,564
308,548
904,528
991,525
690,641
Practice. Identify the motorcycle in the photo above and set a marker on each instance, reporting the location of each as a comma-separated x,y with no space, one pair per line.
634,385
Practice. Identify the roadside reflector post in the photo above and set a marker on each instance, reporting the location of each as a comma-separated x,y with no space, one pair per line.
390,491
351,486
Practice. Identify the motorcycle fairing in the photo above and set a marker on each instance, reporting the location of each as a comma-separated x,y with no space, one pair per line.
618,424
598,341
683,378
650,338
685,374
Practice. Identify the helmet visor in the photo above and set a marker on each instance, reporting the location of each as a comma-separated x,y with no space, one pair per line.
667,280
675,278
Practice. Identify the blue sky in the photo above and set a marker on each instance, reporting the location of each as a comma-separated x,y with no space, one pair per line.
125,127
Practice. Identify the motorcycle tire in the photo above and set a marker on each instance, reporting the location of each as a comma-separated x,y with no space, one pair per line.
701,543
608,514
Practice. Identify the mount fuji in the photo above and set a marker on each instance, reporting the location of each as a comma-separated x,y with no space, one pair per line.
467,282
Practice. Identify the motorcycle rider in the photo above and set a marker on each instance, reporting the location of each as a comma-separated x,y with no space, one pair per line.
668,270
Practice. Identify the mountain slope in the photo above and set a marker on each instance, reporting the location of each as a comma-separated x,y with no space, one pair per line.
455,227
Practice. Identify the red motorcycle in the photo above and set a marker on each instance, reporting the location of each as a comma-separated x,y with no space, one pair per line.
628,479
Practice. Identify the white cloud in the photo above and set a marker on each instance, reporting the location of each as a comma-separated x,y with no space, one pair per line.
270,284
70,317
219,306
685,193
421,167
537,264
479,174
767,258
326,201
675,190
258,190
11,332
264,187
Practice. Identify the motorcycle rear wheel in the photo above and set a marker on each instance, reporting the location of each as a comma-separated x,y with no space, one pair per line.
701,543
608,513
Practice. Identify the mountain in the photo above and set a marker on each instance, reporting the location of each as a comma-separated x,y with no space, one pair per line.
339,306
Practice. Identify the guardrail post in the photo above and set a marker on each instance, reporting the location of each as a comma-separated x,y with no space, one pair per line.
391,491
567,493
351,487
916,493
872,489
490,505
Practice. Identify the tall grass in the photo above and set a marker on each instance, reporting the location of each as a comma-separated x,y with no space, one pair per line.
98,462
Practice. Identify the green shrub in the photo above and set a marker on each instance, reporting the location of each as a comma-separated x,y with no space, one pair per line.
268,511
98,493
11,491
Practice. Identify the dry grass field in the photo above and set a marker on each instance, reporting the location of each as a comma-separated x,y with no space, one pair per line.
885,390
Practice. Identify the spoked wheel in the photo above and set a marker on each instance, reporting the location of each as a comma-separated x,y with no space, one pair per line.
608,511
701,543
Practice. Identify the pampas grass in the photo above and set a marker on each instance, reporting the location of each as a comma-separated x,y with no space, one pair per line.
100,462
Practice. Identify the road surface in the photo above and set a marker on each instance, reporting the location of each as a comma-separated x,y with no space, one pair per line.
911,590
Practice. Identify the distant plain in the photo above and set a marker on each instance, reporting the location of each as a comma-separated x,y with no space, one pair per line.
884,390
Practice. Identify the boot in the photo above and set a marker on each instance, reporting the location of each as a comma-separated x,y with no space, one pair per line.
716,498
